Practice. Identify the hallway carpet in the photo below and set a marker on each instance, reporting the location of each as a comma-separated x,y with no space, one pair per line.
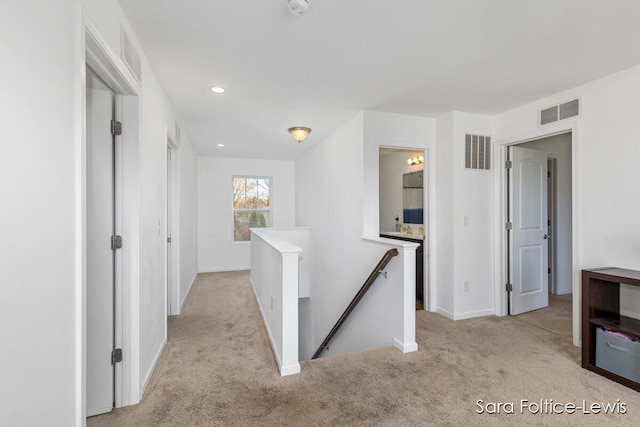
218,370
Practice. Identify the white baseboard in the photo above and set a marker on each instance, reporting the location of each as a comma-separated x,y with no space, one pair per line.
405,348
473,314
284,370
290,370
186,295
467,315
223,269
445,313
156,359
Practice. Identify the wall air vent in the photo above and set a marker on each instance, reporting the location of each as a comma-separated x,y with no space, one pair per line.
562,111
569,109
477,152
549,115
130,56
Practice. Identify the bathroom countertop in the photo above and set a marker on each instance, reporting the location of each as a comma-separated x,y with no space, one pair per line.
403,235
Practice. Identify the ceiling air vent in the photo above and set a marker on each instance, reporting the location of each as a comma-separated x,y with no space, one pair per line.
562,111
130,55
477,152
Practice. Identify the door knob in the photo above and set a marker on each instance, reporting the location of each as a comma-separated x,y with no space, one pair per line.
546,236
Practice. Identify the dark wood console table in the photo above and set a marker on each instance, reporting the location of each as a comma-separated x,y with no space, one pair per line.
601,308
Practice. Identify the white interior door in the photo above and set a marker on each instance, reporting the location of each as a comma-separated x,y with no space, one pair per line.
529,246
100,258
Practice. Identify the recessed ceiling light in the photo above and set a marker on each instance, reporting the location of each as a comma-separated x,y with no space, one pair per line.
217,89
220,145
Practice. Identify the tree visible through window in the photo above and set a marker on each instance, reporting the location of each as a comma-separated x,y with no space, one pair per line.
251,205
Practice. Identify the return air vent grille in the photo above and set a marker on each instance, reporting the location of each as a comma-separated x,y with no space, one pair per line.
130,55
549,115
569,109
562,111
477,152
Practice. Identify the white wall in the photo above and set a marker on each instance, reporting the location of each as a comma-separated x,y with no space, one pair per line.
188,257
401,131
606,165
393,165
559,148
275,281
329,201
39,296
443,235
216,249
43,289
465,251
156,115
330,195
473,248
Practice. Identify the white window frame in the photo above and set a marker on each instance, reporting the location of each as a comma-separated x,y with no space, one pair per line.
234,210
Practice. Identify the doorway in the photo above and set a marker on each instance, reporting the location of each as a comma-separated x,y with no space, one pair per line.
104,263
172,222
402,205
124,299
556,153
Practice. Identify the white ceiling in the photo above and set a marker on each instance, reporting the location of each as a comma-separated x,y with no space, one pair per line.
416,57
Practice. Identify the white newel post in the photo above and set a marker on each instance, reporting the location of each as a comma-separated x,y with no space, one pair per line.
290,363
407,343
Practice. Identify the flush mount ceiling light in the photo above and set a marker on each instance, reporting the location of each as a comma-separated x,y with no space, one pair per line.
217,89
220,145
298,7
299,133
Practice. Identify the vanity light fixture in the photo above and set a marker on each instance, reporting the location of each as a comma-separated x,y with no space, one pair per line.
217,89
416,160
299,133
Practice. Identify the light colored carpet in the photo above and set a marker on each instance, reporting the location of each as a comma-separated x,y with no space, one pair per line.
218,370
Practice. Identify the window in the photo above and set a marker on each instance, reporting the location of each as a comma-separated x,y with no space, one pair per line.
251,205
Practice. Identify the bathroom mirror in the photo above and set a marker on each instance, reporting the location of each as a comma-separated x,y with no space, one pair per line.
412,198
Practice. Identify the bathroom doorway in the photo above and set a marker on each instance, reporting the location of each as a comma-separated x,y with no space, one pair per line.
402,204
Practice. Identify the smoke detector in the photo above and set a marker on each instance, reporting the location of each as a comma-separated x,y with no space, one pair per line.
298,7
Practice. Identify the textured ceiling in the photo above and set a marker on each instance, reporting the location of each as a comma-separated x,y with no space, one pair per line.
416,57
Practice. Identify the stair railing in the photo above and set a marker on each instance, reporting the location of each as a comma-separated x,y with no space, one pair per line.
379,269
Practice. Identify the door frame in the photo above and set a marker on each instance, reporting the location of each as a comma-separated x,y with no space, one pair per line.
109,147
429,215
552,209
500,207
173,224
94,51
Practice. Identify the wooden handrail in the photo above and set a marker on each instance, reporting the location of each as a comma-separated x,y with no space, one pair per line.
363,290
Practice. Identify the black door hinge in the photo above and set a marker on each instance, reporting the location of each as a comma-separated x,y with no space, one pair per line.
116,356
116,242
116,128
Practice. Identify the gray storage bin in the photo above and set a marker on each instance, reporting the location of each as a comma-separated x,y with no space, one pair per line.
617,355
